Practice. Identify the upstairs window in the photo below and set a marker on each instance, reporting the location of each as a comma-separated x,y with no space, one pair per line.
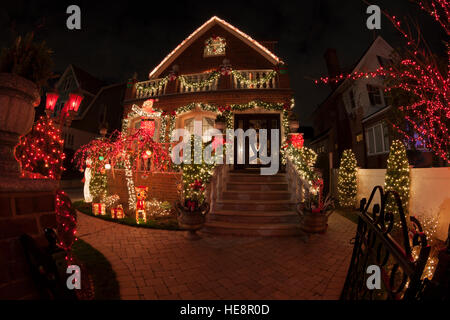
374,95
384,62
214,46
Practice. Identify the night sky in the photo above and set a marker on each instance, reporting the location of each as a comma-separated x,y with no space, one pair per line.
120,37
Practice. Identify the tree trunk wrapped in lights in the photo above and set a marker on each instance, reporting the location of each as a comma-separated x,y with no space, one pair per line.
347,185
397,176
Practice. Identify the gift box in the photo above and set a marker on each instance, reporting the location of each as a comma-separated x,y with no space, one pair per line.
99,209
117,212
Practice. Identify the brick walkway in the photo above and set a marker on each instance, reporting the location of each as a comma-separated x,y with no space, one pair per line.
159,264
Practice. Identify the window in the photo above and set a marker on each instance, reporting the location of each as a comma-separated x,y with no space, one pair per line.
377,138
208,123
384,62
374,95
214,46
352,99
189,125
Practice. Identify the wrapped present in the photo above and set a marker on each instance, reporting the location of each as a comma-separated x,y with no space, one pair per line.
99,209
117,212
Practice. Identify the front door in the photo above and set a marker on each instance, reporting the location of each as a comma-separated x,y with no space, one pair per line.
250,156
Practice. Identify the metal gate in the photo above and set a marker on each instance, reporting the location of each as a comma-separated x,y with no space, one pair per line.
385,240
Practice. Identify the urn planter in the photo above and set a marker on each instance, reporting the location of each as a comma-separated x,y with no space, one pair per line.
220,125
313,220
191,221
293,125
18,98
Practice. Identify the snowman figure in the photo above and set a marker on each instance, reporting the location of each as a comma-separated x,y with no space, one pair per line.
87,180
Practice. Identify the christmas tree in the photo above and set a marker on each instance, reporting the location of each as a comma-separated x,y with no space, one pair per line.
347,179
397,176
40,152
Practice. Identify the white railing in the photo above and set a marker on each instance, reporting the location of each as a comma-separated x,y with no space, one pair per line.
197,79
217,185
297,185
151,88
254,79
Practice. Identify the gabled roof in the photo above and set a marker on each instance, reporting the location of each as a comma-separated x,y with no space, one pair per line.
167,61
87,81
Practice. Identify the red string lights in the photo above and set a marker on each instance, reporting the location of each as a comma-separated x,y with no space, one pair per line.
40,152
419,75
66,219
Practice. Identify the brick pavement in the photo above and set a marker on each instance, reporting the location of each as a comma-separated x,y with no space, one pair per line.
160,264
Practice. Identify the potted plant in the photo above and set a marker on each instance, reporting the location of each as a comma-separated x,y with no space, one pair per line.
192,210
24,68
315,210
220,122
192,206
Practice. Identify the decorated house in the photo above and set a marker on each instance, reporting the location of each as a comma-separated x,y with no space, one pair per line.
217,70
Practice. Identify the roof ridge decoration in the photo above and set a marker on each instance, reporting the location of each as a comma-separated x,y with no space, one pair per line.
203,28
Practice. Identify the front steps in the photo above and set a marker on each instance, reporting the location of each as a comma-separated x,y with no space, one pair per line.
254,205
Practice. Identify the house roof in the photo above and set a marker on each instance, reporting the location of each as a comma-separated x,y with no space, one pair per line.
87,81
168,60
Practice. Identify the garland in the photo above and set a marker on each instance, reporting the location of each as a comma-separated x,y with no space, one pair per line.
213,76
254,82
152,86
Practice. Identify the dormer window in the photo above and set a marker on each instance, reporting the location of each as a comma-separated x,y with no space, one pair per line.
214,46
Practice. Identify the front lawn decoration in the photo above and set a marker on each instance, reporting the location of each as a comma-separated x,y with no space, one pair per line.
99,209
141,196
117,212
347,185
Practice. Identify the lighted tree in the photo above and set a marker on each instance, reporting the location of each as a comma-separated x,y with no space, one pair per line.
397,176
419,74
196,175
40,152
347,185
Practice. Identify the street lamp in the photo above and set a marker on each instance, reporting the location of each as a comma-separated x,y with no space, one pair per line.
52,97
71,107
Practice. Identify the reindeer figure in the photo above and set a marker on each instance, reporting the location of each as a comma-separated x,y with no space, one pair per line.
141,195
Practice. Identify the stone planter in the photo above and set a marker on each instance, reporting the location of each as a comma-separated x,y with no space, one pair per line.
293,125
220,125
18,98
191,220
313,222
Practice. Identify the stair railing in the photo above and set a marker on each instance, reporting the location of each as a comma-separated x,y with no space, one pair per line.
297,185
217,185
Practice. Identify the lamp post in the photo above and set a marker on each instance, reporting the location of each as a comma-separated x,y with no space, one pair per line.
52,97
72,105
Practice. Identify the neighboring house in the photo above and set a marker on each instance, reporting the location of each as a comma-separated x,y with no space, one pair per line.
354,115
101,106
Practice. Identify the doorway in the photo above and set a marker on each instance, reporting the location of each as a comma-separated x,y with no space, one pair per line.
249,157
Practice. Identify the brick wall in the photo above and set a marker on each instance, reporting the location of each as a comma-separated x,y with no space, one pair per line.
21,212
161,186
